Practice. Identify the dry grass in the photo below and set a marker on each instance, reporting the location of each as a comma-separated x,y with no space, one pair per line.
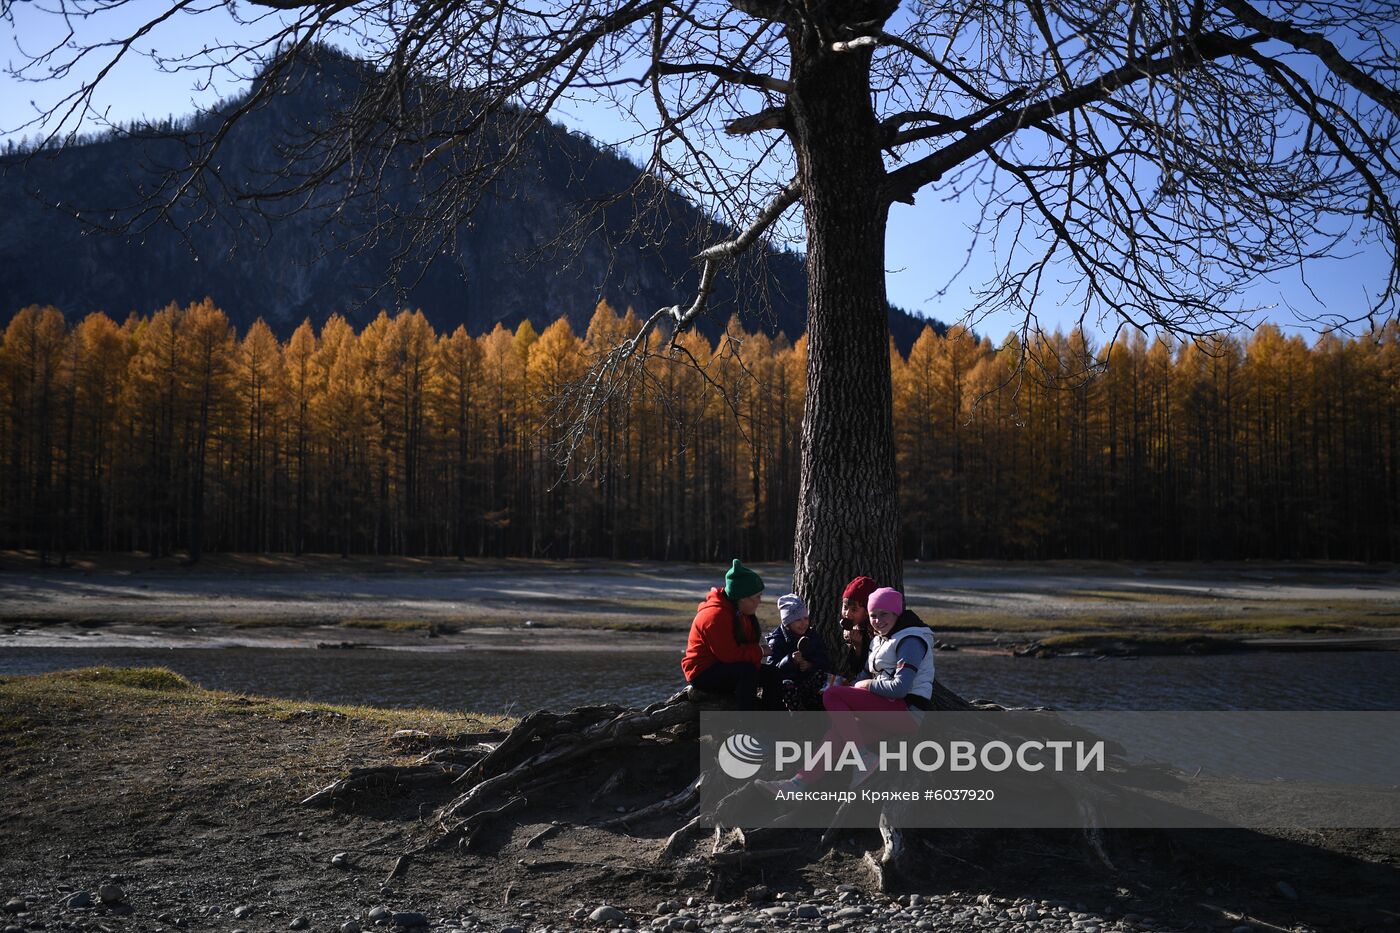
116,687
1113,642
1280,625
1141,596
426,626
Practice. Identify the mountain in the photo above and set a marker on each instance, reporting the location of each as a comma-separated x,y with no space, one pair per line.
311,262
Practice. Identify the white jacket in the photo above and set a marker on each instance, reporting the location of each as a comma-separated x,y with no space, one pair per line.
883,657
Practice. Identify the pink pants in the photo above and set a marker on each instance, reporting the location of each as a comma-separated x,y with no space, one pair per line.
844,704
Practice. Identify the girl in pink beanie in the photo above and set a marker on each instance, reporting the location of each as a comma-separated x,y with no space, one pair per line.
885,599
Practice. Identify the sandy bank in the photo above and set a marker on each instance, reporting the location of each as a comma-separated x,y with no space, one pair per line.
441,603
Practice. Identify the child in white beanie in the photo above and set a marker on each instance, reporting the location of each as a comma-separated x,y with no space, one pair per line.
800,659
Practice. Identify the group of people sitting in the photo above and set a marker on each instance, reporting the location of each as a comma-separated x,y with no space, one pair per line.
886,662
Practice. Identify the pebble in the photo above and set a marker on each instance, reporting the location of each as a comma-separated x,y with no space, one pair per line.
111,894
340,859
76,899
607,914
843,909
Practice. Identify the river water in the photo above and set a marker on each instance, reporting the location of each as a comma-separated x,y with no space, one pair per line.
516,682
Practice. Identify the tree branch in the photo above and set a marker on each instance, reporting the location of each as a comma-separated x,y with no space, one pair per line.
902,184
945,124
1319,46
732,75
331,8
774,118
586,405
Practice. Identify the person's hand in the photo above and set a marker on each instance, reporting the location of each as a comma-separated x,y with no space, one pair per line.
861,685
765,648
802,663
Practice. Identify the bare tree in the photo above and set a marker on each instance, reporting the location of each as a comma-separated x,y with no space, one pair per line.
1145,162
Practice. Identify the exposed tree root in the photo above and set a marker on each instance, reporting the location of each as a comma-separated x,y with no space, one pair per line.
465,831
684,800
884,866
565,739
538,838
399,867
541,724
1228,917
610,752
748,856
678,839
832,831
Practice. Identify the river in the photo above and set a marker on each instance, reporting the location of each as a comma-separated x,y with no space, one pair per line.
515,682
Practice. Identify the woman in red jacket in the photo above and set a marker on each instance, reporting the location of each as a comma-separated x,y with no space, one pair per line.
725,651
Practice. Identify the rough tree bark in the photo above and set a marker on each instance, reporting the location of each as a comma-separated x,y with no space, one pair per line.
848,505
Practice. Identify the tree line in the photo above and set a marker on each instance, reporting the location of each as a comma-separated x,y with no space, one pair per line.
170,433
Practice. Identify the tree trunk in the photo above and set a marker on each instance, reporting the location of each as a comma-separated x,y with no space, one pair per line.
848,509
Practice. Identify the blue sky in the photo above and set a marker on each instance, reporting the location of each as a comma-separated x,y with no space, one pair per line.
925,249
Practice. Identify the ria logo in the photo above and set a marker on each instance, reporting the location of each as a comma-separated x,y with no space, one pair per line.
741,756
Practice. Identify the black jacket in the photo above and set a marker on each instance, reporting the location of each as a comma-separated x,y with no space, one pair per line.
783,643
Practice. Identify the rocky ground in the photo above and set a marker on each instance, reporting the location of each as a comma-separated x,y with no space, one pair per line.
842,909
136,802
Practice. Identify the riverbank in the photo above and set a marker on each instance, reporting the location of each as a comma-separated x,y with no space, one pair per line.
427,603
187,801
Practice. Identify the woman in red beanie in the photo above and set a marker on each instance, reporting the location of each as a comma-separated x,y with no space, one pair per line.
855,630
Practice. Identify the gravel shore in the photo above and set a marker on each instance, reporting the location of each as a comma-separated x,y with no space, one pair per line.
121,903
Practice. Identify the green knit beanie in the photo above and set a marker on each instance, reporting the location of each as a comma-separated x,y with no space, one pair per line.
740,581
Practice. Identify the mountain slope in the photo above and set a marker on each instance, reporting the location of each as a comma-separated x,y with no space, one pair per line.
498,267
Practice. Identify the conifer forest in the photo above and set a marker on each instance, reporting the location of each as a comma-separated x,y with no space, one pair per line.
173,434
